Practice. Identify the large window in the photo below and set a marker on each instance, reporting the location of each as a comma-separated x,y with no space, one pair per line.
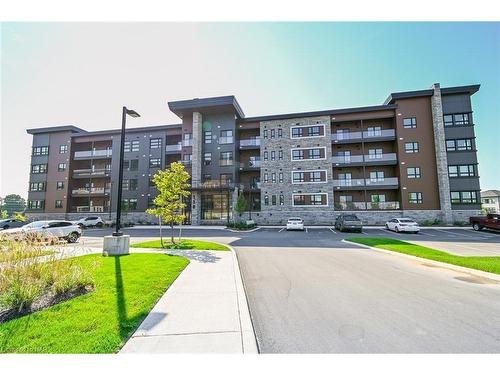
413,172
226,158
226,136
215,206
129,204
411,147
131,165
36,204
154,163
415,197
131,146
320,199
37,186
308,176
375,153
130,184
308,153
464,197
39,168
40,150
459,119
155,143
308,131
459,144
468,170
410,123
63,149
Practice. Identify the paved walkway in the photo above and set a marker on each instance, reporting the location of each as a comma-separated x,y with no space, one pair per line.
203,311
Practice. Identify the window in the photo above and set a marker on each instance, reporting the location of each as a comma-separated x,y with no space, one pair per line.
316,176
61,167
280,132
461,170
36,204
40,150
187,158
266,200
273,133
226,179
154,163
377,198
280,155
207,177
308,131
315,153
131,146
273,200
129,204
39,168
37,186
266,177
187,139
297,132
273,155
226,136
63,149
374,153
459,119
308,176
59,204
374,131
266,155
464,197
207,137
226,158
415,198
265,134
459,144
314,131
376,176
411,147
151,182
310,199
297,154
413,172
207,158
155,143
273,177
131,165
410,123
130,184
280,177
298,177
282,200
60,185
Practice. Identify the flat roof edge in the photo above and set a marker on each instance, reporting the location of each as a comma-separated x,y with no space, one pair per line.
53,129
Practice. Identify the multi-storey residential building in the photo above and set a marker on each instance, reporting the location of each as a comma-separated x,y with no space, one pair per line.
414,155
490,200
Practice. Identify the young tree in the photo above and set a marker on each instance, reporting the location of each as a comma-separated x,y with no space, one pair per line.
172,184
13,203
241,204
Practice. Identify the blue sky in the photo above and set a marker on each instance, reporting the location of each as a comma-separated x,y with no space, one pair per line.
82,73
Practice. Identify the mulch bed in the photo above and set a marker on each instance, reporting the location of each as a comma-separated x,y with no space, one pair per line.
43,303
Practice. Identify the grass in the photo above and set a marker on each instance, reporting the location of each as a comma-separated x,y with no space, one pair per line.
185,244
126,289
28,254
487,264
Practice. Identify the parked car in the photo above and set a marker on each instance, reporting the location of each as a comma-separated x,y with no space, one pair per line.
62,229
402,224
90,221
11,223
345,222
295,223
490,221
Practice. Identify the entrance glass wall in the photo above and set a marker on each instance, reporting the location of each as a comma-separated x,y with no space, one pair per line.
216,206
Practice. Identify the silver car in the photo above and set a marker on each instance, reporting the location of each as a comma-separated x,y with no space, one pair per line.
61,229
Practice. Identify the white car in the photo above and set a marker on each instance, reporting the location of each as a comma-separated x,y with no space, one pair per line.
90,221
295,223
58,228
402,224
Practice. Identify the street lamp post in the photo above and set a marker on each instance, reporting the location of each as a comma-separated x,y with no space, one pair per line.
131,113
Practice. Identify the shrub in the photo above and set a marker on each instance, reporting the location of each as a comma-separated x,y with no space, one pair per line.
460,223
240,225
25,277
428,223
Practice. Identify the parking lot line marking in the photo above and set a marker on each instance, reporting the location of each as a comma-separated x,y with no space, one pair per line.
425,233
454,233
332,230
306,230
281,230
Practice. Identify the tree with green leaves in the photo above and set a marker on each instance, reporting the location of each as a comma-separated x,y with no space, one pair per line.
172,185
4,214
13,203
241,204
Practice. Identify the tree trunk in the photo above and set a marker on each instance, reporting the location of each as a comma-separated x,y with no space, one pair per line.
172,233
161,236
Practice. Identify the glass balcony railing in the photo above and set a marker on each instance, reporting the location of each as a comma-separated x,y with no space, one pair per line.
360,206
341,136
351,182
365,135
350,206
93,153
89,191
250,164
361,182
249,142
374,158
382,205
347,159
91,172
370,158
386,181
90,208
176,147
384,133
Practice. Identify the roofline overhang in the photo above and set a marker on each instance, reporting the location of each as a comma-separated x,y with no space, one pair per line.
471,90
180,107
54,129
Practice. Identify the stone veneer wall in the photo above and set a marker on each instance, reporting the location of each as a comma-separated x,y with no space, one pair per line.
196,167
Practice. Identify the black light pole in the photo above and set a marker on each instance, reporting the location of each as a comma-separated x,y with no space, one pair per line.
120,172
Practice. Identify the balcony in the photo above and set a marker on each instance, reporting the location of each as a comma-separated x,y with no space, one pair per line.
366,183
249,143
93,154
212,185
89,191
173,148
365,136
362,206
372,159
90,209
253,164
85,173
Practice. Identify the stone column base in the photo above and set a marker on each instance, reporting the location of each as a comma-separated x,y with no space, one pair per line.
118,245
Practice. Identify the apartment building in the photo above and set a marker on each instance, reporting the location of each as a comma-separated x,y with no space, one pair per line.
414,155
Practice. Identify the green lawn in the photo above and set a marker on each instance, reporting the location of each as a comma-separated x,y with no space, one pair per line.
488,264
127,287
29,254
183,245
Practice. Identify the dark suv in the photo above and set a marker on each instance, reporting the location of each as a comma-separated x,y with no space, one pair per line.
11,223
348,222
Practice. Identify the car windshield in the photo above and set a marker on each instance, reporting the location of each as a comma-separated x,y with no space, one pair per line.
295,219
35,224
351,218
406,221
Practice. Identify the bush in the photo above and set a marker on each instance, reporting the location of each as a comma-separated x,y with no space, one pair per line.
240,225
428,223
460,223
26,278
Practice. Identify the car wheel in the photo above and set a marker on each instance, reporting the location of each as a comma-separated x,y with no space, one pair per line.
397,229
386,226
476,226
5,227
99,225
72,237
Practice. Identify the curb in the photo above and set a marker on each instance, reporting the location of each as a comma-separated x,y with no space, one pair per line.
242,231
470,271
248,337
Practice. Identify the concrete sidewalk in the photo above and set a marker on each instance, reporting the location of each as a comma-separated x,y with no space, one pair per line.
204,310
